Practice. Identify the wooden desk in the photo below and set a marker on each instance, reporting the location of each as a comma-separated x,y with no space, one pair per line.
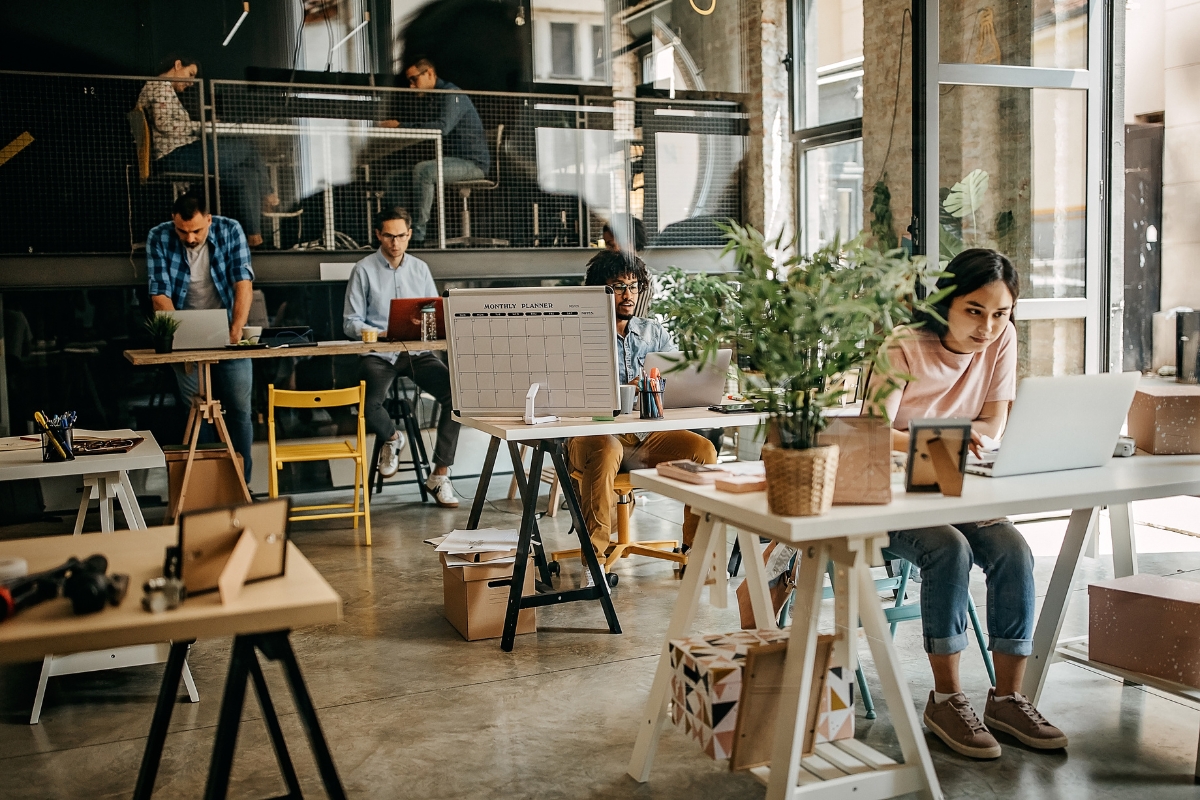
852,536
106,478
261,618
550,438
205,407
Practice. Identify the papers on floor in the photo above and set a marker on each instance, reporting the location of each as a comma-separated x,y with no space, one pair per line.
486,545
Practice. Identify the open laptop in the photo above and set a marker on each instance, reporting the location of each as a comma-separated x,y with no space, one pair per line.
1070,422
404,310
694,386
201,330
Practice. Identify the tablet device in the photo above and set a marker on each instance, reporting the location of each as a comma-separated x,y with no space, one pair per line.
930,471
402,328
207,538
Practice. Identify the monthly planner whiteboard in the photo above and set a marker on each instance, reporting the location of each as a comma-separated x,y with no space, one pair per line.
502,340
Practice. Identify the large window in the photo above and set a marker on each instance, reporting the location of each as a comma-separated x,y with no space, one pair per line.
562,50
1014,160
827,91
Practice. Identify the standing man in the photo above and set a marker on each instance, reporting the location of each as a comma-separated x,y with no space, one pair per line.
198,261
385,275
465,154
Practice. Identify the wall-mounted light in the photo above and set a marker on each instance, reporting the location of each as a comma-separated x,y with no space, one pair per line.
238,24
350,35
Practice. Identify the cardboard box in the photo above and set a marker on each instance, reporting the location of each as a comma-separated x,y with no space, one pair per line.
864,474
213,482
476,599
1165,418
1147,624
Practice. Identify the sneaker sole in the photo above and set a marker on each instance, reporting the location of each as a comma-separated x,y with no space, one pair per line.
1024,738
960,748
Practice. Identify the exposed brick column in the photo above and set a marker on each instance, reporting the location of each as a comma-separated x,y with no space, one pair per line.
881,56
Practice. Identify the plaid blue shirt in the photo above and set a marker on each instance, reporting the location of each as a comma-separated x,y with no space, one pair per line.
228,258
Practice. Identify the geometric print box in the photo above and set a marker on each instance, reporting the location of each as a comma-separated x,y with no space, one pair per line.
706,683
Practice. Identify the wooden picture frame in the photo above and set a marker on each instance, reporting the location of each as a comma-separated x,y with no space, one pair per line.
937,455
207,539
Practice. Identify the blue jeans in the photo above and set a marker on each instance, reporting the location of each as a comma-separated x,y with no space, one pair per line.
424,176
233,382
944,555
241,168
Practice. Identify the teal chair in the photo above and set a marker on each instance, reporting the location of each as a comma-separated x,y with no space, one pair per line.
901,612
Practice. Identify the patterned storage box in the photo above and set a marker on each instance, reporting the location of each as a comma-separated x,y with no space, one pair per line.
706,684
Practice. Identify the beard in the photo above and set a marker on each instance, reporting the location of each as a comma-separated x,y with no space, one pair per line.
624,317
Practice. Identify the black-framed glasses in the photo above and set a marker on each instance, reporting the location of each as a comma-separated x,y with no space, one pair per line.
412,79
625,288
393,237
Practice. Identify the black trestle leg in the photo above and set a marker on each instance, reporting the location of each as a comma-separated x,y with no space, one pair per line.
282,757
524,538
230,718
168,693
524,485
485,481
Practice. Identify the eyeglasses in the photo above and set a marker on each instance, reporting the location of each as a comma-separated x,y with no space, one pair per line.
392,237
412,79
625,288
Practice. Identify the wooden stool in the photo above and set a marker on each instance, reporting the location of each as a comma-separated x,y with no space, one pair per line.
624,546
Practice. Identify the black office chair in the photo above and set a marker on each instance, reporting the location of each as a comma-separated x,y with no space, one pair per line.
402,410
483,185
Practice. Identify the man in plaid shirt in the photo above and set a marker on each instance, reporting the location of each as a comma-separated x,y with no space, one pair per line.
198,261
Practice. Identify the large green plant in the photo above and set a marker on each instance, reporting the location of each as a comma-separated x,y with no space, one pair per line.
804,321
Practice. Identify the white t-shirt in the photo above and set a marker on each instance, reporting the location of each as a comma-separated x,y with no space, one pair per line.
202,292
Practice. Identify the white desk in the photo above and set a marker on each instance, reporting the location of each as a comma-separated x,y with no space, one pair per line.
852,536
104,477
551,438
326,130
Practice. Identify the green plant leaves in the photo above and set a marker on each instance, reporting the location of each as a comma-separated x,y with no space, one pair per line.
966,196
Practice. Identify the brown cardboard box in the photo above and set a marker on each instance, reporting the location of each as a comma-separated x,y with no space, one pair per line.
1147,624
864,474
476,599
1165,418
213,482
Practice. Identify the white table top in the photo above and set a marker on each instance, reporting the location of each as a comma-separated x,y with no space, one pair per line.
513,429
333,128
1122,480
301,597
20,464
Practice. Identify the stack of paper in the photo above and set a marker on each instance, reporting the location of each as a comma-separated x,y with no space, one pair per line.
486,545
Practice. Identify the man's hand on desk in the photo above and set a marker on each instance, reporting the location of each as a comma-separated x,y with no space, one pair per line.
389,123
235,334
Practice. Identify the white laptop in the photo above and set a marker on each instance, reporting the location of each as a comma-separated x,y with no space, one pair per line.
694,386
201,330
1071,422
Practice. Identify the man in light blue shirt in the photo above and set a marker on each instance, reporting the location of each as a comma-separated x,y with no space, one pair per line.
385,275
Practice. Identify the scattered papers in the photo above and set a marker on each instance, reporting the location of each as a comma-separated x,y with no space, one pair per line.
484,540
453,560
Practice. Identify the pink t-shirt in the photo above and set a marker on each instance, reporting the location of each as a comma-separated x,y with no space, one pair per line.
950,384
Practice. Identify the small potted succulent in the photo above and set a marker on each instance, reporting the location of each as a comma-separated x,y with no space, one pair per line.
162,327
802,322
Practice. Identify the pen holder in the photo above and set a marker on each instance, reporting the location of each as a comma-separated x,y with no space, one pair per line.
651,404
50,452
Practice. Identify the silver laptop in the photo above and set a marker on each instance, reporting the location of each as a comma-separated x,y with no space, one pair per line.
201,330
1070,422
694,386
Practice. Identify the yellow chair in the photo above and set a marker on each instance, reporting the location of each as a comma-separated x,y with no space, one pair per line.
625,546
326,451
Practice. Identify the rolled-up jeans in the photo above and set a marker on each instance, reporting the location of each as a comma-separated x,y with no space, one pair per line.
424,177
233,385
944,555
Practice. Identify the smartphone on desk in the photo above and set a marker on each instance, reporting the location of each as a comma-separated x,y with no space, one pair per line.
733,408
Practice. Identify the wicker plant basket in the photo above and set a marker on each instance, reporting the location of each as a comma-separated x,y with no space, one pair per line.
800,483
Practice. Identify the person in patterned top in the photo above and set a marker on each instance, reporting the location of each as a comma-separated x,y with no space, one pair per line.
175,145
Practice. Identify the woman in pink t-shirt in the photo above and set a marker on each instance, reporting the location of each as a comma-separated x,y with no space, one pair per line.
966,367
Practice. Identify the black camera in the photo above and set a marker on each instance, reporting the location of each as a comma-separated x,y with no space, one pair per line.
85,583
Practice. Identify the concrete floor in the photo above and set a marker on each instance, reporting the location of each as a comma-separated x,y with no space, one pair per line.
411,710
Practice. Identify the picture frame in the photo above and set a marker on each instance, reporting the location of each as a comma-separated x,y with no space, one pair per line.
207,538
937,455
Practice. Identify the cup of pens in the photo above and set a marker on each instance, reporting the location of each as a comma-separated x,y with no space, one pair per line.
58,435
651,388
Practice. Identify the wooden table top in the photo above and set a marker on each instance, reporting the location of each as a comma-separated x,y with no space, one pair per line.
514,429
300,598
335,348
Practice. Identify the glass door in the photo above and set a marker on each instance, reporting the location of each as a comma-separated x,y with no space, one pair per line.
1014,160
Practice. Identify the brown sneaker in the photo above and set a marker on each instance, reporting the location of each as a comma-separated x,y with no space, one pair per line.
955,723
1017,717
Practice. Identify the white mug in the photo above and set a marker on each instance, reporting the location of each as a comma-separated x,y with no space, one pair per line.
628,396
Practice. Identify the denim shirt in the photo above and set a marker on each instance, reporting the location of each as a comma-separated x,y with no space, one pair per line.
642,337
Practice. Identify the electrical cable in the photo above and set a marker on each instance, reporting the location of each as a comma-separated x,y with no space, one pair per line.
905,19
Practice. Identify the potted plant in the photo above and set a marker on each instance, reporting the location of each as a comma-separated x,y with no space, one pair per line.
802,323
162,327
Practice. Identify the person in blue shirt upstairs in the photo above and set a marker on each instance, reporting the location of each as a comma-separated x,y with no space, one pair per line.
465,155
201,261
